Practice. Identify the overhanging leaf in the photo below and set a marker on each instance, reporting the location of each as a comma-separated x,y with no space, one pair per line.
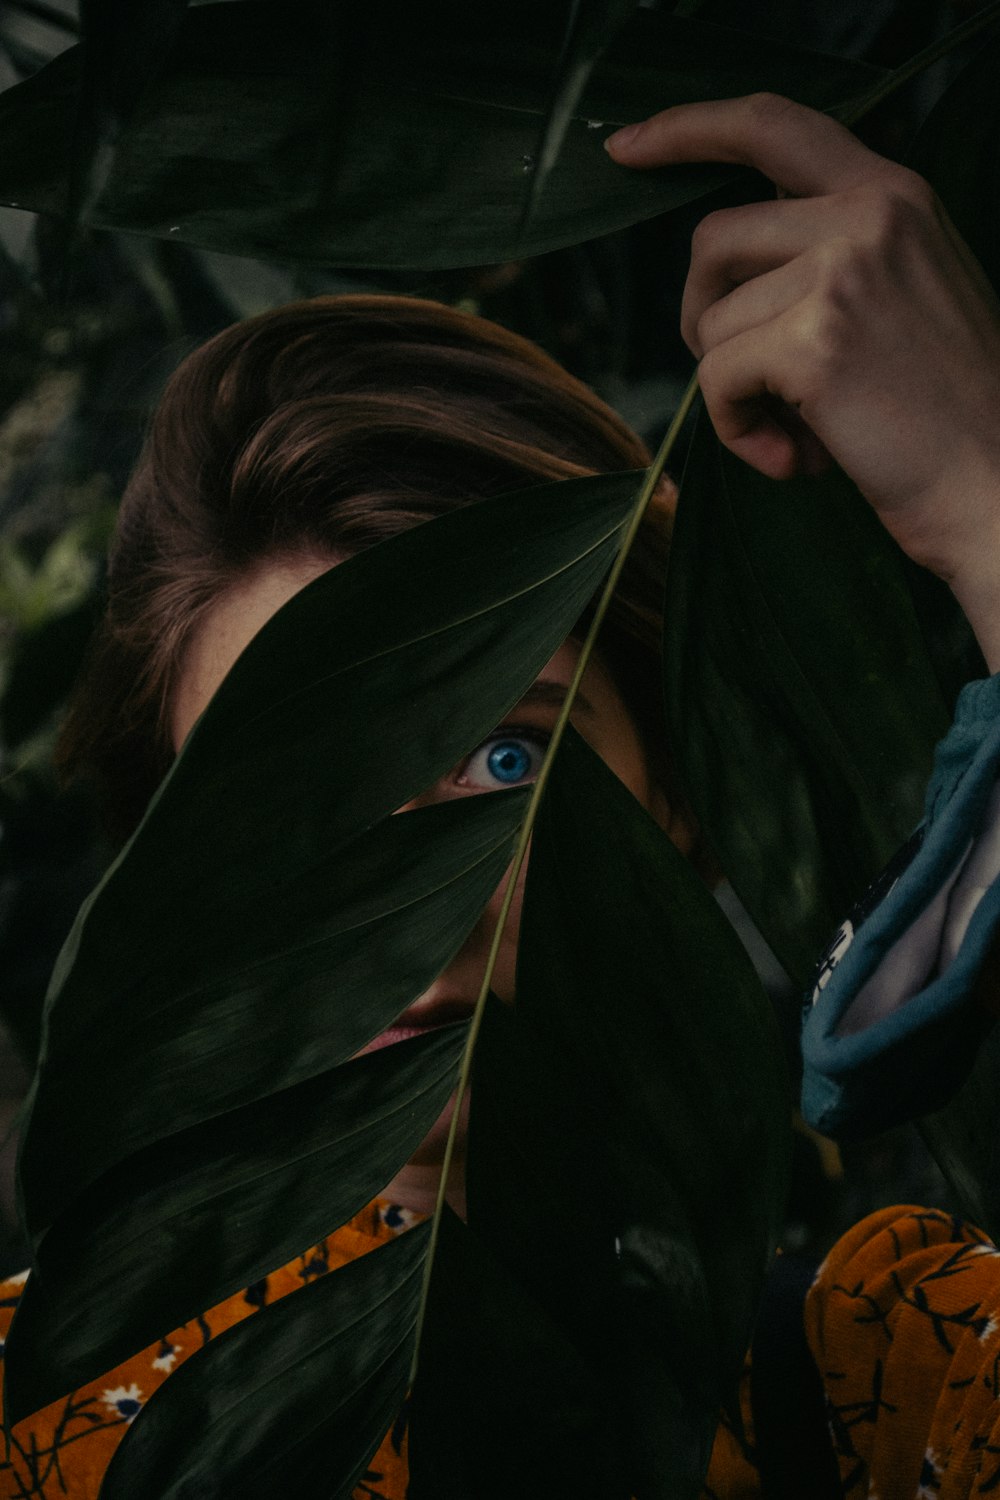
472,605
610,1114
951,42
590,27
274,993
124,48
192,1220
292,1401
801,697
223,152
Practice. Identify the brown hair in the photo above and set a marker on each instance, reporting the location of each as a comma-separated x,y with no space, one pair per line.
327,425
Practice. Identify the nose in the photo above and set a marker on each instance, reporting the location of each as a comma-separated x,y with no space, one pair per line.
422,801
461,981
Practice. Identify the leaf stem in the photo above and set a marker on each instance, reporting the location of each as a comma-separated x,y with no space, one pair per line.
855,110
652,479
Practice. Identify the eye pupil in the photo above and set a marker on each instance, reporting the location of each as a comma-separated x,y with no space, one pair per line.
509,761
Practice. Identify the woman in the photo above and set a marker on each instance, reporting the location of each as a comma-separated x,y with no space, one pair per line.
848,308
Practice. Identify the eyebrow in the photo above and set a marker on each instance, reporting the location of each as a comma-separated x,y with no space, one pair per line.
547,693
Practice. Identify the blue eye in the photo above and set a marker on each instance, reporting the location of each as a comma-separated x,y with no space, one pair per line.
505,760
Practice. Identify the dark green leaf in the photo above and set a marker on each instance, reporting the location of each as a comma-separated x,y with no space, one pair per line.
359,709
590,27
801,697
184,1224
227,1015
611,1110
956,150
124,47
292,1401
503,1404
226,150
963,1139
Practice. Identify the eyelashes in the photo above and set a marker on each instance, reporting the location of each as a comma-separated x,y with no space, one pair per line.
510,757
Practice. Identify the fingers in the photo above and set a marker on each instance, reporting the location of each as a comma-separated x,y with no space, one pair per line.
736,245
713,321
802,152
752,385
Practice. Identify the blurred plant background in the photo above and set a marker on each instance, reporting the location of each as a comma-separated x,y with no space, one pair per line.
89,332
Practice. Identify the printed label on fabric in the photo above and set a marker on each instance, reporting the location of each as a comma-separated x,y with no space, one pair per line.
872,898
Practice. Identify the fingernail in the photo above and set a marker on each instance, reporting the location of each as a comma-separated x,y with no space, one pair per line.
623,137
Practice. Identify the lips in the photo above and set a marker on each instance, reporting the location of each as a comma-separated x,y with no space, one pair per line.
428,1014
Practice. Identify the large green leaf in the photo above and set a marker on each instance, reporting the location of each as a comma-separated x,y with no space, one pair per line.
184,1224
803,703
274,994
227,148
503,1403
124,47
293,1401
611,1109
338,714
590,26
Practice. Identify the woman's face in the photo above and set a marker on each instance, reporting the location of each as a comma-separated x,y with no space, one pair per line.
509,757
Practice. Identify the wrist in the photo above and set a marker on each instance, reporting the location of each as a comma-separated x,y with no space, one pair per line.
965,553
978,596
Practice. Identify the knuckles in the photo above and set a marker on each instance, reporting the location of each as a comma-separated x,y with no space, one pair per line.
821,337
893,210
710,234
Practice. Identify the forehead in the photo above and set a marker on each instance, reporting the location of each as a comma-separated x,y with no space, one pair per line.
228,627
232,621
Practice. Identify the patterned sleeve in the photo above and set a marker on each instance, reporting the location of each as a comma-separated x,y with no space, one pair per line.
903,1321
893,1022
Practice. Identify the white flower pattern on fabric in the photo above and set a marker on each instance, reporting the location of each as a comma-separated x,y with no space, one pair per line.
166,1357
396,1218
931,1474
831,958
125,1400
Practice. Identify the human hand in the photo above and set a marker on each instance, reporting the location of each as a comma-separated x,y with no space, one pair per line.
847,318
